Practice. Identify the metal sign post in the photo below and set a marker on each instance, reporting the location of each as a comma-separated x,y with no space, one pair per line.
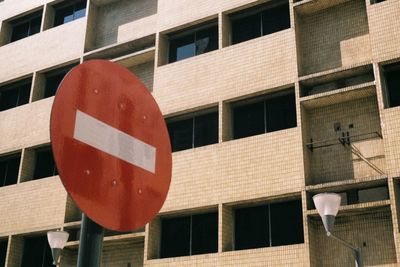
91,243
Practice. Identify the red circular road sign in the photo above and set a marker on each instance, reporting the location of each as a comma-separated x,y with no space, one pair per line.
111,145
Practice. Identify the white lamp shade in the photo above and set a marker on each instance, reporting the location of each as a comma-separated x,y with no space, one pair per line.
327,203
57,239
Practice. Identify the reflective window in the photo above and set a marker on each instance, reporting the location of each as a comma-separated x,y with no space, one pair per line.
193,42
9,167
15,94
45,165
189,235
193,131
259,21
26,26
68,11
274,224
265,114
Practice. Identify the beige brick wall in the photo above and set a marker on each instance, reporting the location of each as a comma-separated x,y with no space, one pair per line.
254,66
334,37
31,206
391,130
21,57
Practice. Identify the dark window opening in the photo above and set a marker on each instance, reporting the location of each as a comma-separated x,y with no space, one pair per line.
276,112
392,80
364,195
45,165
9,167
275,224
196,131
189,235
377,1
14,95
67,12
37,252
3,252
196,42
259,21
26,26
53,81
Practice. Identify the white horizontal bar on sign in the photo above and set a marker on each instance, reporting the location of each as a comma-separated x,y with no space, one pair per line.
110,140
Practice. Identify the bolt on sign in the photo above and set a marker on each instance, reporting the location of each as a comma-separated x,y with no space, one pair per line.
111,145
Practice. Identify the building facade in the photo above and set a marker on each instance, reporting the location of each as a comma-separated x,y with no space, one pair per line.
267,104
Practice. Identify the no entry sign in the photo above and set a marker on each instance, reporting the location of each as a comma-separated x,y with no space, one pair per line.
111,145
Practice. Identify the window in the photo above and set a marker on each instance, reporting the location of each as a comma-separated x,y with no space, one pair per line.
190,235
37,252
3,252
45,165
259,21
193,131
377,1
193,42
66,11
257,116
14,95
9,167
364,195
392,80
275,224
26,26
53,80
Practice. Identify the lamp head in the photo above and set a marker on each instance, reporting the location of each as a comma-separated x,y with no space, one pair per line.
327,205
57,241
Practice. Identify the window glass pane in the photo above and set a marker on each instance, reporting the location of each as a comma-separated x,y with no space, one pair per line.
63,15
20,31
281,112
181,48
248,120
393,85
3,172
24,92
3,252
45,165
373,194
207,40
181,134
251,227
8,98
36,252
12,170
175,237
35,25
276,19
246,28
52,83
80,10
206,129
286,223
204,233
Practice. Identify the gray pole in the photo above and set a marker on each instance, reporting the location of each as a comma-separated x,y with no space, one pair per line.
91,243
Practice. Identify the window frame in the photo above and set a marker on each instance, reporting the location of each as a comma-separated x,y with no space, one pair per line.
63,5
7,158
28,18
191,31
17,86
385,69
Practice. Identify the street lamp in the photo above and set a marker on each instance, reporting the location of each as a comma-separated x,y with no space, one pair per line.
327,205
57,240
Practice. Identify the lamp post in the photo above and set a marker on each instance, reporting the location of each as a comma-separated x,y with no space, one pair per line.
327,205
57,240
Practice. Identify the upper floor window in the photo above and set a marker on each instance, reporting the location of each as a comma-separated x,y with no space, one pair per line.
275,224
391,74
45,165
260,21
68,11
26,26
15,94
9,167
189,235
3,250
193,42
263,115
53,80
193,130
